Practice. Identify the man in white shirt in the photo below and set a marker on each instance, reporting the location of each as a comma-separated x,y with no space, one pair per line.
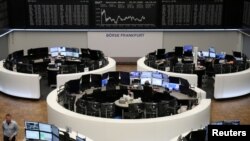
10,129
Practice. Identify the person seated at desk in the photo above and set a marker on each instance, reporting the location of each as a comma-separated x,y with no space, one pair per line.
147,92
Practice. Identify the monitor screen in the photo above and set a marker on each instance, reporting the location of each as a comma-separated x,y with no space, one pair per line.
55,130
63,53
55,138
104,82
165,77
188,48
53,49
165,84
135,74
237,54
54,54
211,49
203,54
45,136
174,80
45,127
80,139
220,55
212,55
143,80
178,51
61,49
31,125
173,86
156,82
69,54
157,75
75,54
146,74
32,134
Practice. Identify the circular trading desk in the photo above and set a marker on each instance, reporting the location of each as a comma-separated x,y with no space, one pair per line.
28,85
104,129
192,78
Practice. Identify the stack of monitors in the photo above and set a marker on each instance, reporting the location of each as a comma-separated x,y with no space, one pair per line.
146,76
212,53
64,51
41,131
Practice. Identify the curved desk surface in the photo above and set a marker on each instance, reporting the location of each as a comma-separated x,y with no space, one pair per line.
73,135
19,84
232,84
28,85
63,78
102,129
192,78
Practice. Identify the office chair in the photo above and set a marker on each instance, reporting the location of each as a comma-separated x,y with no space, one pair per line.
81,106
218,69
70,102
227,68
151,110
107,110
136,110
188,68
94,108
178,68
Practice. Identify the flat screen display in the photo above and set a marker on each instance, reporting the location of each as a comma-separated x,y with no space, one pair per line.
45,136
156,82
31,125
55,130
104,82
146,74
165,84
203,54
135,74
53,49
188,48
220,56
211,49
237,54
175,80
157,75
143,80
63,53
54,54
174,86
212,55
75,54
32,134
45,127
61,49
55,138
165,77
69,54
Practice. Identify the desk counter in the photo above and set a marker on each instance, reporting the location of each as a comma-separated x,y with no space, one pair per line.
102,129
192,78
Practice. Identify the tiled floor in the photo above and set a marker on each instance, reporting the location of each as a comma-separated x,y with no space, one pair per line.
36,110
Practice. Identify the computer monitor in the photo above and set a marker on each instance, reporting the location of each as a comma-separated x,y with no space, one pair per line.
53,49
165,84
211,49
45,127
220,55
237,54
212,55
80,138
45,136
203,54
18,54
31,135
104,82
61,49
135,74
75,54
143,80
55,138
124,78
156,82
188,48
29,125
54,54
160,51
175,80
173,86
178,51
69,54
165,77
146,74
157,75
55,130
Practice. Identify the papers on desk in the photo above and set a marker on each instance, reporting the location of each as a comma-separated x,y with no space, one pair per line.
128,99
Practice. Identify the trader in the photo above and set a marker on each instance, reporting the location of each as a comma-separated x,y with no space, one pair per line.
10,129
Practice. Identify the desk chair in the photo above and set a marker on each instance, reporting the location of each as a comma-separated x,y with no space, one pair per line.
188,68
178,68
136,110
81,106
107,110
151,110
94,108
218,69
227,68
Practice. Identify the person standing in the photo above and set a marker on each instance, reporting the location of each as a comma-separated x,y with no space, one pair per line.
10,128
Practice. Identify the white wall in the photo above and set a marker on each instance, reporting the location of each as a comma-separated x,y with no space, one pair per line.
222,40
29,39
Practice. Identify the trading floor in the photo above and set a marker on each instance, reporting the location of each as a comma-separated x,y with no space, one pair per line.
24,109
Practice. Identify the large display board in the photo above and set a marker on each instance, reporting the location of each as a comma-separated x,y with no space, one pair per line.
125,13
3,16
58,13
192,13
